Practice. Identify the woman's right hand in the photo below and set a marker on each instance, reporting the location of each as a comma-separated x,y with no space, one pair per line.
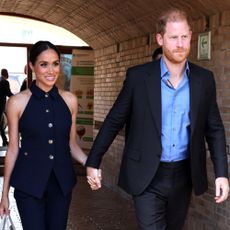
4,206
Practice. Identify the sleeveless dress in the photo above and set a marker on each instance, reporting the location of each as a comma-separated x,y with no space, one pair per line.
44,127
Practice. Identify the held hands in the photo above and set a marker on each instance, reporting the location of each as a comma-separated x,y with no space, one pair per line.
94,178
222,189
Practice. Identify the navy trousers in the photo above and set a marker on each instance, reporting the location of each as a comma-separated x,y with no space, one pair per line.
48,213
164,204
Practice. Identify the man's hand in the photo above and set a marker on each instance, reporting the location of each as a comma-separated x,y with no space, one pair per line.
94,177
222,189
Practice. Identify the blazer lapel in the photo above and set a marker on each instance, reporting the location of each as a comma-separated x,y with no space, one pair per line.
153,84
195,93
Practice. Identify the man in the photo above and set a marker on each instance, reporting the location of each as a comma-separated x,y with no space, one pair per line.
157,53
24,84
169,108
4,92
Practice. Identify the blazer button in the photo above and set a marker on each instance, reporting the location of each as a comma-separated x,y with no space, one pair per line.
50,141
50,125
25,153
51,157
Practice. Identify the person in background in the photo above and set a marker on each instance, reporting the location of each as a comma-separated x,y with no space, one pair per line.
25,82
157,54
41,169
169,108
4,93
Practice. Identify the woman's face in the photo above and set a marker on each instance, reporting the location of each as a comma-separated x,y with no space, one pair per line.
46,69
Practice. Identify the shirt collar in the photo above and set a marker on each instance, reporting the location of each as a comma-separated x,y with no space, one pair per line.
165,72
39,93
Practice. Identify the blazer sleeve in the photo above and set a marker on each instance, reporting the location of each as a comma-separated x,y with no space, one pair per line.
215,135
113,123
7,90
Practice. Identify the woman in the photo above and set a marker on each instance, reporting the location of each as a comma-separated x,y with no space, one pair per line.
41,169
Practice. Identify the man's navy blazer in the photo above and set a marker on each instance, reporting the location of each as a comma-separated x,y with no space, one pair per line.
138,107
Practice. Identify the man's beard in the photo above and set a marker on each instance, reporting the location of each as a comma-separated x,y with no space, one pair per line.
177,56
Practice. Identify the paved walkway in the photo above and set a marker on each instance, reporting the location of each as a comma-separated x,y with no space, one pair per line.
99,210
90,210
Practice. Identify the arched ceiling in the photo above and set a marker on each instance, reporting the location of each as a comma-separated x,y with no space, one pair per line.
101,23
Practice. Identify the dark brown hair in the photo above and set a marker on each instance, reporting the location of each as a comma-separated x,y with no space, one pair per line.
39,47
4,73
156,53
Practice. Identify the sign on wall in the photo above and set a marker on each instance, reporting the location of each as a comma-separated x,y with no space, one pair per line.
204,46
82,85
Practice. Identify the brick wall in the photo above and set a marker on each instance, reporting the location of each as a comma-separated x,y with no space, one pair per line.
111,65
203,213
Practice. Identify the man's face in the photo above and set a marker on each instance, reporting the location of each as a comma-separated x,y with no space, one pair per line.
175,41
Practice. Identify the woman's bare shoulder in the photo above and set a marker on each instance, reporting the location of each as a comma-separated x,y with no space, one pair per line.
68,96
19,100
21,97
70,99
